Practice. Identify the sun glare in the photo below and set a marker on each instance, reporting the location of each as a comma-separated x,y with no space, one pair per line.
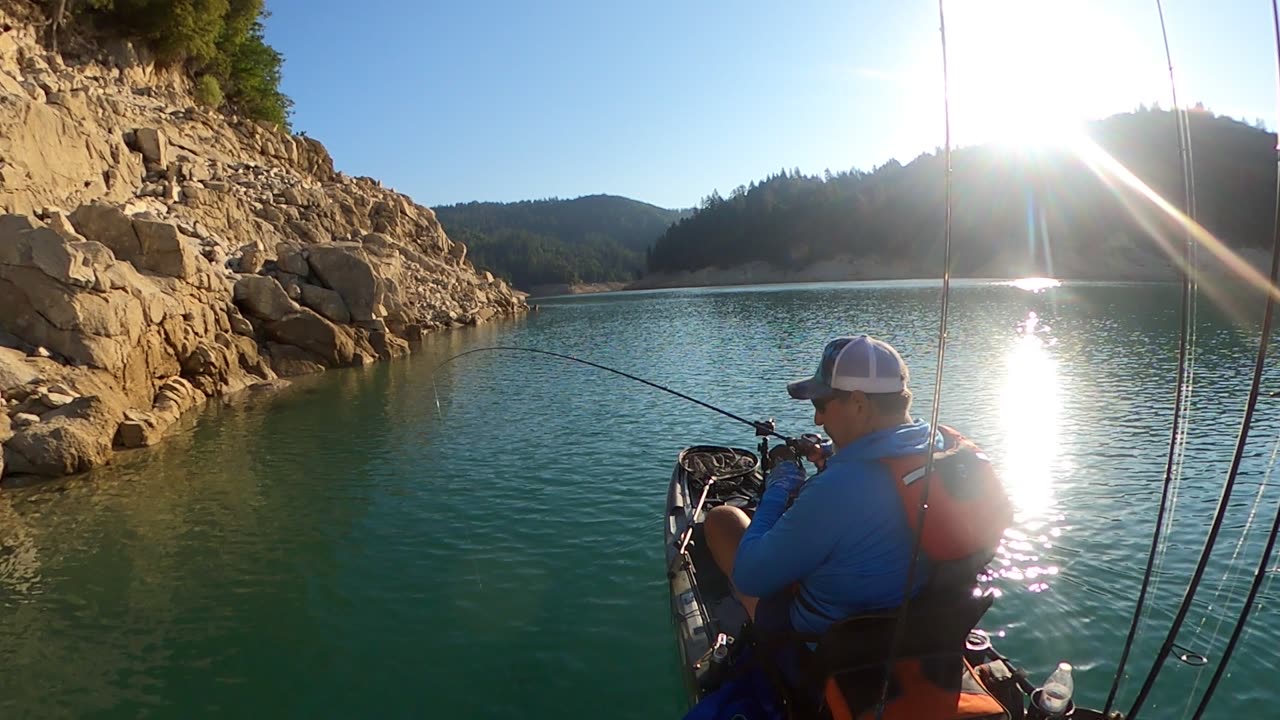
1034,284
1022,79
1030,411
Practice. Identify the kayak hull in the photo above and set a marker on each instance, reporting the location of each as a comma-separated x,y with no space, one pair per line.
702,602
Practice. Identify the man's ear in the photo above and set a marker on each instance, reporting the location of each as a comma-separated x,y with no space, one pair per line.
858,401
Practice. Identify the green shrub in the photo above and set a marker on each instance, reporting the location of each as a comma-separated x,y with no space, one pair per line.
253,79
209,91
220,40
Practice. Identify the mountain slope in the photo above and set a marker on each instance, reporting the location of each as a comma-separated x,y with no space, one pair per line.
1053,210
595,238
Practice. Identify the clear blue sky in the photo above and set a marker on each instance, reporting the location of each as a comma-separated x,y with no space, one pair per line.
665,101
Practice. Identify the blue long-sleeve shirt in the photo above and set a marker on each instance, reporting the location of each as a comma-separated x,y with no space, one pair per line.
845,538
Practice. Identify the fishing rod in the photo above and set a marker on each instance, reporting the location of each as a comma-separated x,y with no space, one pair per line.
1225,497
901,621
1177,434
762,428
1265,559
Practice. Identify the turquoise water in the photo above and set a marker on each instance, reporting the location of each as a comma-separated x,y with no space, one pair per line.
345,549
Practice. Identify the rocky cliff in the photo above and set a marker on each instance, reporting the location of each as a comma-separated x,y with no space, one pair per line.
154,254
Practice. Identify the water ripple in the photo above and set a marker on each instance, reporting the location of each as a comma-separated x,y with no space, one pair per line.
343,548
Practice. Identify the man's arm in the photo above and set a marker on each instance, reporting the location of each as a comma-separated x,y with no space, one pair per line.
778,549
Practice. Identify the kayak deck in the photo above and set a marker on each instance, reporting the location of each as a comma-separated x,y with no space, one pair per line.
703,604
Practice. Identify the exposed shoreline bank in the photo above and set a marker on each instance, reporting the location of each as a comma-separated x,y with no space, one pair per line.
155,255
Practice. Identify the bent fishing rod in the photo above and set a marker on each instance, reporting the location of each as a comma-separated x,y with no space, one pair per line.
900,621
762,428
1232,474
1265,559
1181,401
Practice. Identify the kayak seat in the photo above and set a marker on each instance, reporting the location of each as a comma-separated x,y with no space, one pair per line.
931,680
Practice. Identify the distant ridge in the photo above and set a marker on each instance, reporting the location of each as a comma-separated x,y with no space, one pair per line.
589,239
1016,211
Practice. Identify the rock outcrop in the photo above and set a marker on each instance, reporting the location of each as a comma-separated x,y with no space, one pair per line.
154,255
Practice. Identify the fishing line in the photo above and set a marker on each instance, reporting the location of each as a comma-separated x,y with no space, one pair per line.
1261,573
1243,618
760,428
1228,578
1254,391
1181,402
900,622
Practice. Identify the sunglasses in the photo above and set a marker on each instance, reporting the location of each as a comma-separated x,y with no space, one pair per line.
820,404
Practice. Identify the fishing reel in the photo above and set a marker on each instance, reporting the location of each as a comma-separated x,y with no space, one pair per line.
804,447
808,447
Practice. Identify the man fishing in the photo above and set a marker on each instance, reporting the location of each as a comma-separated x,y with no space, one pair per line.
844,545
840,544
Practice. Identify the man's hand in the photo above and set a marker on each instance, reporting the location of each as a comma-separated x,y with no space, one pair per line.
786,471
811,446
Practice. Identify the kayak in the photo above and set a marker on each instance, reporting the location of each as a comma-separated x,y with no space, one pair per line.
707,615
712,628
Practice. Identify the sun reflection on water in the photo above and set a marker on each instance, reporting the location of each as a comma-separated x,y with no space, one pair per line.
1034,284
1030,410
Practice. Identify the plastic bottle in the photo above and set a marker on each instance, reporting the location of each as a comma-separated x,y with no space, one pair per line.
1055,696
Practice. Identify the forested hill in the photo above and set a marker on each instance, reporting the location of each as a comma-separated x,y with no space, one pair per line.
596,238
1050,210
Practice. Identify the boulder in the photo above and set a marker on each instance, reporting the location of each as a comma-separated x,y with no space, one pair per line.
54,400
153,145
291,261
163,249
345,268
308,330
209,366
291,286
108,225
458,252
387,345
69,440
262,297
174,397
46,250
21,420
251,258
144,428
293,196
140,430
239,325
84,327
193,195
16,370
12,224
326,302
59,223
291,361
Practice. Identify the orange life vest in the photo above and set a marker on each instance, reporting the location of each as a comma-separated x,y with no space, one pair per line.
918,696
968,509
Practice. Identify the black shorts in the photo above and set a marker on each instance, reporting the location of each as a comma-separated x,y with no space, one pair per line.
790,656
773,612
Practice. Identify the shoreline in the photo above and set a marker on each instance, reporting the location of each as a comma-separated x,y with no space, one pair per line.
206,255
849,270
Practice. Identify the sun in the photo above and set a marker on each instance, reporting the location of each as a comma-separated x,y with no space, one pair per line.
1028,74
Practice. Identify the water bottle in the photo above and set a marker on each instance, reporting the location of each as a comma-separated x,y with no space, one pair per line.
1055,696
